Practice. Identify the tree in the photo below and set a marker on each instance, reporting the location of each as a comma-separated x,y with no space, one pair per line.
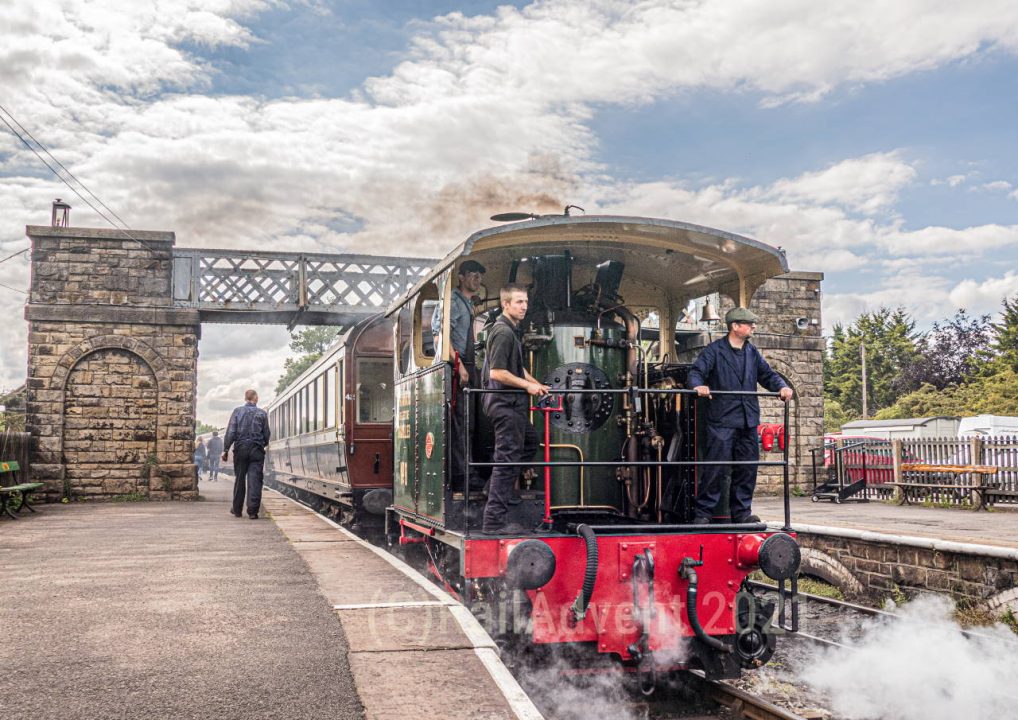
200,428
949,354
890,340
835,416
1005,335
309,343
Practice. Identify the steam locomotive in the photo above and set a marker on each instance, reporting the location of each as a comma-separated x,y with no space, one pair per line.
610,562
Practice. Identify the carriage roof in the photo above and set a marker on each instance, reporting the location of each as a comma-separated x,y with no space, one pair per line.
662,257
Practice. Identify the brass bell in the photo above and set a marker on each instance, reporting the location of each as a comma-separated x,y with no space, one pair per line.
709,314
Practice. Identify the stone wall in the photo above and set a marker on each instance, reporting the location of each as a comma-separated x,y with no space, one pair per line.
793,351
112,366
872,568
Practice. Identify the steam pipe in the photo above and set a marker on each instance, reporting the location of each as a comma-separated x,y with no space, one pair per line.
687,572
582,601
632,337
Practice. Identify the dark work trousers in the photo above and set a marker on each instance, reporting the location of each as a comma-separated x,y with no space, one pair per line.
725,443
515,441
247,469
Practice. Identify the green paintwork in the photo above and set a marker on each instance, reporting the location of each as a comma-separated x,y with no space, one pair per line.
420,410
431,394
600,486
404,485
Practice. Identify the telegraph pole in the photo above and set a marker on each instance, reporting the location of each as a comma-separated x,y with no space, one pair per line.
862,354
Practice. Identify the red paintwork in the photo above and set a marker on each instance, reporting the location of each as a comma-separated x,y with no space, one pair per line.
547,457
727,558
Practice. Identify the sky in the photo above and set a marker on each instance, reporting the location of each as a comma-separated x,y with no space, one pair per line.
873,141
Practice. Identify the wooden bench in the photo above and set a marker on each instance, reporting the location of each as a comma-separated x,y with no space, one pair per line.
981,486
19,493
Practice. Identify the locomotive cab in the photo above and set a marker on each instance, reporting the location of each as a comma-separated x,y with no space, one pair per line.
610,560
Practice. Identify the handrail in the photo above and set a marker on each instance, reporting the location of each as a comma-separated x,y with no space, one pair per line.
783,463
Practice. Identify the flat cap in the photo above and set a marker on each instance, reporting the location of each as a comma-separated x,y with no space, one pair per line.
740,315
471,266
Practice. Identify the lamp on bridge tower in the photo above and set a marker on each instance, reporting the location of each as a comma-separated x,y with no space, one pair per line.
61,214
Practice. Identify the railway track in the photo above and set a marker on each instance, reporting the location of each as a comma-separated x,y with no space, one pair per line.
867,611
741,703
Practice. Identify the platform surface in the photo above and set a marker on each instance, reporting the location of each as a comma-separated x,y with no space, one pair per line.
180,610
995,527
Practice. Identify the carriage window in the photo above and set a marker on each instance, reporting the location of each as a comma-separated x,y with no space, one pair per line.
320,402
340,394
374,390
330,397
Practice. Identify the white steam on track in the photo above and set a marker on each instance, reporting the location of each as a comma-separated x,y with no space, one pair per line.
919,666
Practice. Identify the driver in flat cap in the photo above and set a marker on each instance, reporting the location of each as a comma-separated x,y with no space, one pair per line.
461,338
732,363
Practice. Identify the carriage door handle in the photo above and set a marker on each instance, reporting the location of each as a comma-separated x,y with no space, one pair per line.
378,461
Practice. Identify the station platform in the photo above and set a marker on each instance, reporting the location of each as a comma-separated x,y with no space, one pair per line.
997,527
180,610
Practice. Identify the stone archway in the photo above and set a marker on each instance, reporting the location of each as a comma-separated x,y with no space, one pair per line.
111,417
821,565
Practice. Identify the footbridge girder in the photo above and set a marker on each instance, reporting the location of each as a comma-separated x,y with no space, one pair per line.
230,286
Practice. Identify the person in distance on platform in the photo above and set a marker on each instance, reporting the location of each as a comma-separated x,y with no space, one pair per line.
200,455
215,449
732,363
461,338
248,434
515,438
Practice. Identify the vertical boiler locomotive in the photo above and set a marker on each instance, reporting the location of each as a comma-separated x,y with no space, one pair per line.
610,562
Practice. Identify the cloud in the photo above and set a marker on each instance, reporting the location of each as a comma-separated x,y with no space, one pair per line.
984,296
996,186
487,113
867,184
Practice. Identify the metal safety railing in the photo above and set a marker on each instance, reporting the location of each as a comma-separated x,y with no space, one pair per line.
634,393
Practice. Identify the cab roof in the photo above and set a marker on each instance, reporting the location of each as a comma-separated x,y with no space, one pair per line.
662,257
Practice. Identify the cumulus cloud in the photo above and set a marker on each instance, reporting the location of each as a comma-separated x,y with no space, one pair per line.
867,184
984,296
487,113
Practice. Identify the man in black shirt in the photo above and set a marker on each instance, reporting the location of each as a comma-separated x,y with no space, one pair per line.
248,432
515,437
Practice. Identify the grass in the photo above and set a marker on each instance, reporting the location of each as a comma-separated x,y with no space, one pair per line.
981,617
807,584
814,586
128,497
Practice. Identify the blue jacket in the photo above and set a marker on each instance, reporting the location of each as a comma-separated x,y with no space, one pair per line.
249,425
717,368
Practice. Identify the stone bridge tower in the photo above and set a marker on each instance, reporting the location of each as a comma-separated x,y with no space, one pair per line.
112,366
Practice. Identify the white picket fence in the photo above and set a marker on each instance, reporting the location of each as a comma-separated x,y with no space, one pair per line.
1000,452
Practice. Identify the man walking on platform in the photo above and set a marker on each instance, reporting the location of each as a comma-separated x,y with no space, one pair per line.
215,448
248,433
732,363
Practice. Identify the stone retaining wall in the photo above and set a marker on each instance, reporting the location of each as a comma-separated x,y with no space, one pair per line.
873,569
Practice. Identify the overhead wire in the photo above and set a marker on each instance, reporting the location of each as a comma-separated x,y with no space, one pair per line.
18,134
